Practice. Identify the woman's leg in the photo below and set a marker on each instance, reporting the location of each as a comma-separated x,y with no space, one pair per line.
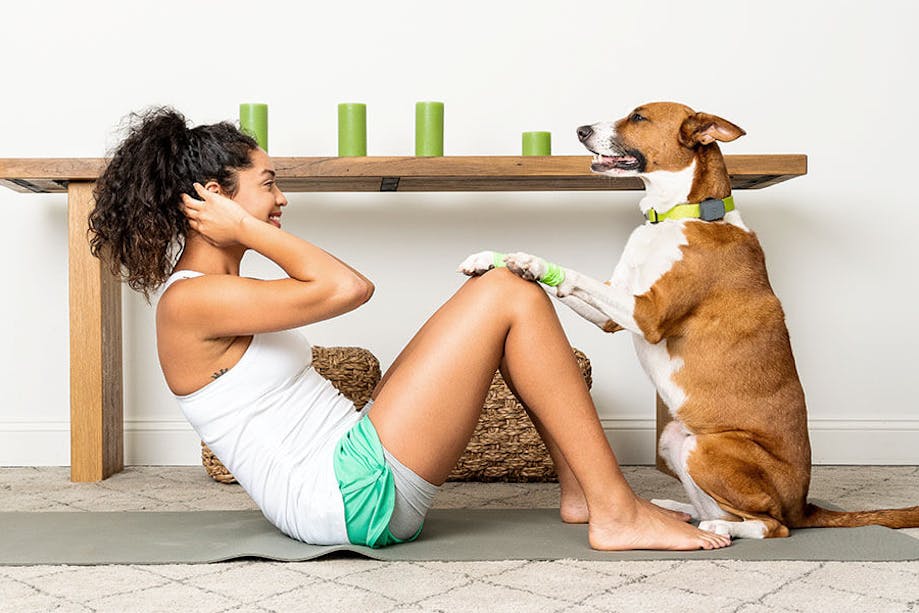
428,405
573,504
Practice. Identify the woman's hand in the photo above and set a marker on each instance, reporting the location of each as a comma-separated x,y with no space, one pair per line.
217,218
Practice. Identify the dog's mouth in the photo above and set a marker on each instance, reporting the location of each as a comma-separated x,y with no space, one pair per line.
602,163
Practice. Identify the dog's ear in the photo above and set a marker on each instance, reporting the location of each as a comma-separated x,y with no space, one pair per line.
702,129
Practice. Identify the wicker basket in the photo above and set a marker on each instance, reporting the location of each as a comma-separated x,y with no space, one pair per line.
504,447
354,371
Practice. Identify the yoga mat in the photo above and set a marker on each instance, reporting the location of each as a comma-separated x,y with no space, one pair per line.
449,534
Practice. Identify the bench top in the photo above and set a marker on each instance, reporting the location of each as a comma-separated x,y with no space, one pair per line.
450,173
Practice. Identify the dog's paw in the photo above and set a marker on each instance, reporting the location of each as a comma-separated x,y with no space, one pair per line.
477,263
526,266
718,526
747,529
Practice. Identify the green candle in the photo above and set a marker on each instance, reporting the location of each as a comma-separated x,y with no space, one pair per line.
537,143
429,129
352,129
253,120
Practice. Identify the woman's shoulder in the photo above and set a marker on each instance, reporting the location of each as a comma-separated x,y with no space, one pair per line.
174,281
179,275
193,301
188,294
204,279
181,287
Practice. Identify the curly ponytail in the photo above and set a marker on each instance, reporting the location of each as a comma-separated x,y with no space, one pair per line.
138,225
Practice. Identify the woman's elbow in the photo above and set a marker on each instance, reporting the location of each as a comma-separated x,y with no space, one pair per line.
356,291
366,291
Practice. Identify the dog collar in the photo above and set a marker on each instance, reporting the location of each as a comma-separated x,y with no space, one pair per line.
710,209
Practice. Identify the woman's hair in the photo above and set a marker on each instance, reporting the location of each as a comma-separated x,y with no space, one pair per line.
138,224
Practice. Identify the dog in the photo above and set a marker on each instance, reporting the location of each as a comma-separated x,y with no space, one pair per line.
691,286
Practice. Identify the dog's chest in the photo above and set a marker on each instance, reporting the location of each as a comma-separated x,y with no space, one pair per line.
649,254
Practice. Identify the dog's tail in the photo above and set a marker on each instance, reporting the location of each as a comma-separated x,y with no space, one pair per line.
818,517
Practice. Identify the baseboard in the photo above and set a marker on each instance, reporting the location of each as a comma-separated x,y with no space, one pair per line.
834,441
164,443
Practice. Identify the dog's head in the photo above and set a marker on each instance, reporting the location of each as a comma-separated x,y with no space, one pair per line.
655,136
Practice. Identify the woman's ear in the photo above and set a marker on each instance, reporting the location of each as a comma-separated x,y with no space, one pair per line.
213,186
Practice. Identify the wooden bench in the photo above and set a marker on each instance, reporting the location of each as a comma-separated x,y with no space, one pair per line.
96,404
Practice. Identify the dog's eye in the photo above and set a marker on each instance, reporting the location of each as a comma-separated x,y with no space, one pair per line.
635,118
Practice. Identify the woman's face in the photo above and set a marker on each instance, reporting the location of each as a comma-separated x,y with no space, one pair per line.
257,190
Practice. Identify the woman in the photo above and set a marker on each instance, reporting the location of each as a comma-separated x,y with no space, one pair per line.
320,471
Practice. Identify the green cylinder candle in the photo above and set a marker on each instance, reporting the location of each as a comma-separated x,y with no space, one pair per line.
429,129
253,120
537,143
352,129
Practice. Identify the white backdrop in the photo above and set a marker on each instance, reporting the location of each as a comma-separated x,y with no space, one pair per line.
834,81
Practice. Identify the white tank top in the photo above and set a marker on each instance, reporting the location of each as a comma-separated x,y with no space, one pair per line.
274,423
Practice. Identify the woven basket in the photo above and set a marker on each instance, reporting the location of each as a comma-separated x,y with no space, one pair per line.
505,445
354,371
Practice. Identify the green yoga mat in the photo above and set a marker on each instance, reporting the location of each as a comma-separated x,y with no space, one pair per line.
449,534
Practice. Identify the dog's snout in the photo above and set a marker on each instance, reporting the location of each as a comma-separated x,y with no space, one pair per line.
584,132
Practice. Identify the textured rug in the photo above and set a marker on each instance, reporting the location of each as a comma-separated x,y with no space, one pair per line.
449,534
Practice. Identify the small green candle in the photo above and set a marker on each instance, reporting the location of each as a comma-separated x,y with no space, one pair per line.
352,129
429,129
253,120
537,143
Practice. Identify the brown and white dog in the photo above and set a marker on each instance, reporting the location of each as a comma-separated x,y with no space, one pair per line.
707,328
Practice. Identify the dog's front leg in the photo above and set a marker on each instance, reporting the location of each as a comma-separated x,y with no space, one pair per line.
611,300
480,263
615,306
586,311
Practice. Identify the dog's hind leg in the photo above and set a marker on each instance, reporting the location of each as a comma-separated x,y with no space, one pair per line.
675,445
670,449
736,475
679,507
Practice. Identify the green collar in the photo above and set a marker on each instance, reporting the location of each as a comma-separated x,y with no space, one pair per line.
710,209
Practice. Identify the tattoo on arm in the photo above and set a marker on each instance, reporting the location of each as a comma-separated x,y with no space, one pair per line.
219,373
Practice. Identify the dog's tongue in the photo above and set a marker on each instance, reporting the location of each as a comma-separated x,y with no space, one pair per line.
602,162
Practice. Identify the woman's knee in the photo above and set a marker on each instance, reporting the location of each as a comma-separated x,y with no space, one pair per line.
507,290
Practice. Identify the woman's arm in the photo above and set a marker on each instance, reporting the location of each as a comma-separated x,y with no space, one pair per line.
319,286
300,259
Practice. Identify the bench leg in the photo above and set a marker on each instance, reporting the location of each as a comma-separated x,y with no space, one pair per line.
96,403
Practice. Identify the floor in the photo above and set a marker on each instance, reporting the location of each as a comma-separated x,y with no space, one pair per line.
349,583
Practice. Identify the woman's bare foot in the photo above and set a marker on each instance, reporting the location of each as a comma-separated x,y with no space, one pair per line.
643,527
573,508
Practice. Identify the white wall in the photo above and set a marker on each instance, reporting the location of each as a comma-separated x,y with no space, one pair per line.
836,81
